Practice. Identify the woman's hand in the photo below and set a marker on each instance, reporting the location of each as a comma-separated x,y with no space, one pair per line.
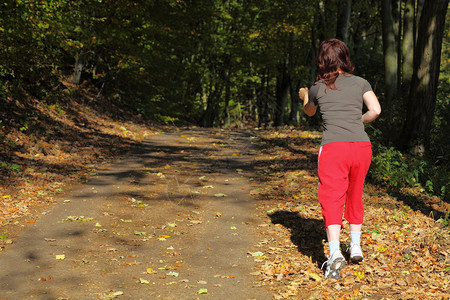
309,108
302,93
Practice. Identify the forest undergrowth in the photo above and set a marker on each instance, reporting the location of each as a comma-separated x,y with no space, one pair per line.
46,147
406,250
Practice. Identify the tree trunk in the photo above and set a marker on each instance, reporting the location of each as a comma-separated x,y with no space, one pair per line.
212,108
389,52
262,101
295,102
422,98
283,83
408,44
78,68
227,105
345,8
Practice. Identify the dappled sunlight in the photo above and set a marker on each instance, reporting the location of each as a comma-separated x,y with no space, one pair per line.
59,144
403,246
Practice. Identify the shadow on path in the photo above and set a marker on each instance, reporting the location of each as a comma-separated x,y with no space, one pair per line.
306,234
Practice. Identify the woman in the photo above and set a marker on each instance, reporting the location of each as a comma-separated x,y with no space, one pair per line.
346,152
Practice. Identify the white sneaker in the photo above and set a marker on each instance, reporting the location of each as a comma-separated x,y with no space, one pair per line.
334,264
356,254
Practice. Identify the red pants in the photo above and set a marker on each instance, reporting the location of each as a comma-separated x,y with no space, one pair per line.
342,169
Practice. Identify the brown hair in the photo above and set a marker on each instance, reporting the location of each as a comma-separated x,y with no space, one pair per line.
333,55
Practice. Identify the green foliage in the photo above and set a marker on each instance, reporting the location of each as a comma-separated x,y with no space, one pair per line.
446,222
393,168
12,167
396,169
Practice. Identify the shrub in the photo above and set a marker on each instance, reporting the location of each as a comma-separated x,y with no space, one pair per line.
391,167
396,169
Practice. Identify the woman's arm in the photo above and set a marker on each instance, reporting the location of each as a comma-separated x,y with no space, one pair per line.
309,108
373,107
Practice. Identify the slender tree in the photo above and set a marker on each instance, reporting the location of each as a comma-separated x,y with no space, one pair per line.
390,52
408,43
344,12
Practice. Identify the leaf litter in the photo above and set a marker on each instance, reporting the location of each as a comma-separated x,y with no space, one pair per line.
407,253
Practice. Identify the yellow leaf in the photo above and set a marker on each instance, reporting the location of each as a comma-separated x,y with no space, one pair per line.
315,277
360,275
60,256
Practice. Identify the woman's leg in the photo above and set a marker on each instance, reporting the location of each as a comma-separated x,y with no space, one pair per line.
355,234
354,209
361,158
333,233
333,182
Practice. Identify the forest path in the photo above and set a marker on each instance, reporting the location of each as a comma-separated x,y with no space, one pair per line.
172,220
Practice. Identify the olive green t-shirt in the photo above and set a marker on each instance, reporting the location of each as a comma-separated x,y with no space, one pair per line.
341,108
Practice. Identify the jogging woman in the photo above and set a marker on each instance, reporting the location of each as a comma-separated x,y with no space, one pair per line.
345,153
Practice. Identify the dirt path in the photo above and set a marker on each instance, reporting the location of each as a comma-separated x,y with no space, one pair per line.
173,220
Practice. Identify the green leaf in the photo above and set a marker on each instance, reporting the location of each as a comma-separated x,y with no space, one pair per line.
202,291
174,274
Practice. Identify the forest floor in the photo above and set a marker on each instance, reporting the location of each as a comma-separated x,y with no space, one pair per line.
96,206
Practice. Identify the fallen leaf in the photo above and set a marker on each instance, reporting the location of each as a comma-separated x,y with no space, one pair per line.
256,254
60,256
202,291
143,281
220,195
315,277
112,295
